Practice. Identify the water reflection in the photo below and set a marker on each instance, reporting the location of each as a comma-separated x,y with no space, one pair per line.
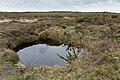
43,54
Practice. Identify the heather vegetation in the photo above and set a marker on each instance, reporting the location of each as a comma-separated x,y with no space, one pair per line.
97,33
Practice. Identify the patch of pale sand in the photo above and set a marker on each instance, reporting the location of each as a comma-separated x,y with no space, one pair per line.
66,18
27,20
19,20
5,20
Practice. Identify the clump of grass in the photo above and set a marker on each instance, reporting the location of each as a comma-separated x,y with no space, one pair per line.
2,68
10,56
16,76
94,19
71,55
114,33
99,19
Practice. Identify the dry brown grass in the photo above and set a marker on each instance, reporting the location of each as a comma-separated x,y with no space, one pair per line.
93,32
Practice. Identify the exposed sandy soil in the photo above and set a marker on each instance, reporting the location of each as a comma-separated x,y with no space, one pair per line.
20,20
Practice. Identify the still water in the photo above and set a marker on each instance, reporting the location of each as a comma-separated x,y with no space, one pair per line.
43,54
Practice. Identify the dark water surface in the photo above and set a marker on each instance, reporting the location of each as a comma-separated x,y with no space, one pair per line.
43,54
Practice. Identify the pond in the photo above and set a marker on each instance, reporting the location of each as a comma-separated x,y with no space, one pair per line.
43,54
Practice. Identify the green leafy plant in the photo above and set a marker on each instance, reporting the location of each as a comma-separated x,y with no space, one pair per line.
71,55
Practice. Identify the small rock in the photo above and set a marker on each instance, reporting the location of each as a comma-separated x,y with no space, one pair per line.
20,65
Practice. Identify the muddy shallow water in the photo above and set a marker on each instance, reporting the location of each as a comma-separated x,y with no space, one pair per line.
43,54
